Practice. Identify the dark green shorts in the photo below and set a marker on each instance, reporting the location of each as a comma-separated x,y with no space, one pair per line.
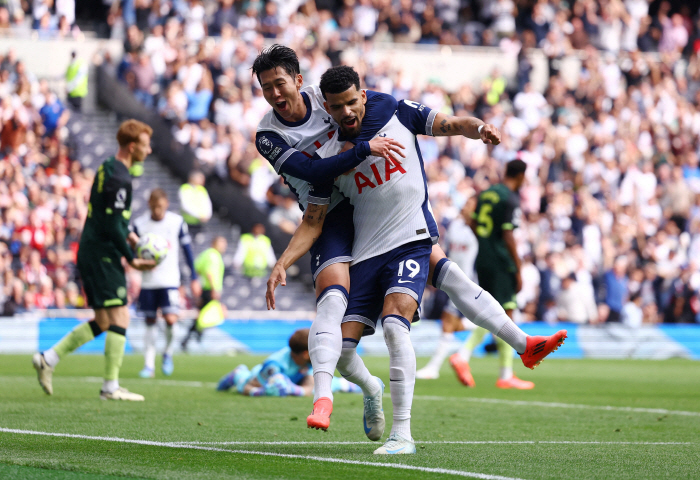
103,278
500,283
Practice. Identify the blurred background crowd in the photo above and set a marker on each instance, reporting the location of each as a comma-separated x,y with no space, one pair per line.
610,228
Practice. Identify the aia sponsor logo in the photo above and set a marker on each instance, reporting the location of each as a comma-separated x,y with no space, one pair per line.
378,176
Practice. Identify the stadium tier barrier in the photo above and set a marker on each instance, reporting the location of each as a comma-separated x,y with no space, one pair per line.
265,332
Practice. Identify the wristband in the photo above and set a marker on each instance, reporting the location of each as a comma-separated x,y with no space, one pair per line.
480,128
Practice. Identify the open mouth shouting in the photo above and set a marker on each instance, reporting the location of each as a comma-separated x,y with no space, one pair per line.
281,106
350,123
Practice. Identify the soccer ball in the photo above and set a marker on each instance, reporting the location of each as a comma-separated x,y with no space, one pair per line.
152,246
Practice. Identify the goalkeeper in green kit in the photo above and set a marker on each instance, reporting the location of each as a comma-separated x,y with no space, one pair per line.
104,241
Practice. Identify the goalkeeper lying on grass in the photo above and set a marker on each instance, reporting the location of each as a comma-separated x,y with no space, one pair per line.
286,372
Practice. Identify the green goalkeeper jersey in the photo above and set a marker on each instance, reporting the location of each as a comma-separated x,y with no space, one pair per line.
497,210
109,211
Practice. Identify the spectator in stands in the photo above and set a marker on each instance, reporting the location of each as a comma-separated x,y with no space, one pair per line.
254,255
53,114
616,288
195,203
574,304
76,79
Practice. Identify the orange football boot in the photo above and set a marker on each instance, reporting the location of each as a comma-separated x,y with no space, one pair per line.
461,368
540,346
515,382
320,418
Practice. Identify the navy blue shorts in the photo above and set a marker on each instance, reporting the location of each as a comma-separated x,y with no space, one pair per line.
402,270
167,299
335,243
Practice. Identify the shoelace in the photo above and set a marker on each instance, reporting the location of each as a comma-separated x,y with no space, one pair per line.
370,406
392,441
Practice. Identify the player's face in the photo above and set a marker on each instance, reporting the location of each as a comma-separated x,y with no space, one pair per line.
142,148
158,209
347,109
281,90
301,359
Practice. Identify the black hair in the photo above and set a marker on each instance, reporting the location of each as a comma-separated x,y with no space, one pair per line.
515,168
276,56
338,79
299,341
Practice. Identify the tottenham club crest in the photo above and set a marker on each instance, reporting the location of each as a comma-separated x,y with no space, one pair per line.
265,145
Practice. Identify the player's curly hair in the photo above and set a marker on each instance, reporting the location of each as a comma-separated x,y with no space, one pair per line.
299,341
338,79
274,56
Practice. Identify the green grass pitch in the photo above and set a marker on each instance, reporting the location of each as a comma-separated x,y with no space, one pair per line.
585,419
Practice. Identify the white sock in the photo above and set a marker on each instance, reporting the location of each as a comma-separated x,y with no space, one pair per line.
110,386
51,357
322,383
402,372
170,334
326,338
444,348
506,373
478,305
149,347
464,352
353,369
513,336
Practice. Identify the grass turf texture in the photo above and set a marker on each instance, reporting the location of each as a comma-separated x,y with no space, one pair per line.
443,410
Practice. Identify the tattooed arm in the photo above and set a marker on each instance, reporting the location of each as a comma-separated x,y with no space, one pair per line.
448,126
304,237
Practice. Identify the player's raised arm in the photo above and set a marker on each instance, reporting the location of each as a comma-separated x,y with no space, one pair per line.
470,127
304,237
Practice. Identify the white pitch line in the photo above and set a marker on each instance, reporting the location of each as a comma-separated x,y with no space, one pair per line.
518,403
444,442
525,403
481,476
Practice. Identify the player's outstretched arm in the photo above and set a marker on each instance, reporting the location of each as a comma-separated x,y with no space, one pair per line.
318,170
448,126
304,237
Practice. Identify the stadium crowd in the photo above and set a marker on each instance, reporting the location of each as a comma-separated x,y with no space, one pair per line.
611,208
43,195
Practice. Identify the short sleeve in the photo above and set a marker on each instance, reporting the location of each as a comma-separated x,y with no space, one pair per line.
115,193
416,117
274,148
320,194
379,109
511,215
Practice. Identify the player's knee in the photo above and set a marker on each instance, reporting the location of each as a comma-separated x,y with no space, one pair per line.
396,329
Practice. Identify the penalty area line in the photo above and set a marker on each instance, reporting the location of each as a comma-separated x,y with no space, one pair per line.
397,466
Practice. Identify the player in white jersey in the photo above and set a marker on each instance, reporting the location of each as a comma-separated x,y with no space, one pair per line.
288,137
462,246
277,69
160,286
395,277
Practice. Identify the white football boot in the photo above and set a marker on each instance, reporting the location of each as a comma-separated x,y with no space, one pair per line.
396,445
373,417
44,372
121,393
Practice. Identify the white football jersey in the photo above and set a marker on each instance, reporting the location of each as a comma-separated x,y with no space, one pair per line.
462,246
174,229
305,136
390,199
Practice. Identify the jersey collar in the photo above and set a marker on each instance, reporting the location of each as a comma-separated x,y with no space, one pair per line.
284,122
